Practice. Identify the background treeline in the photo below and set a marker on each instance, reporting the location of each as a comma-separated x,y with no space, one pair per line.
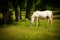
11,8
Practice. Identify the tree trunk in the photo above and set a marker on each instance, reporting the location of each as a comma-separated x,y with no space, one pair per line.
17,14
6,17
10,15
27,16
20,11
28,9
20,15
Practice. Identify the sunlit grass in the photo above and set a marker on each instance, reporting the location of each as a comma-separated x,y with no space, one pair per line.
23,31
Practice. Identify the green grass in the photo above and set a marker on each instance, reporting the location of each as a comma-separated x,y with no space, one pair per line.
23,31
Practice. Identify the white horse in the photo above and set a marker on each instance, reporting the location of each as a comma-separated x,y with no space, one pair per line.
41,14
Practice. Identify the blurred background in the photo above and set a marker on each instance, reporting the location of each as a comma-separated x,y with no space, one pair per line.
11,10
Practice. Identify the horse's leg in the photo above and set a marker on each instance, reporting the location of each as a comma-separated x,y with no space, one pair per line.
50,19
32,21
47,20
37,21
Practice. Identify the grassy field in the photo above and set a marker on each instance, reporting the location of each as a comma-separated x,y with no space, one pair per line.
23,31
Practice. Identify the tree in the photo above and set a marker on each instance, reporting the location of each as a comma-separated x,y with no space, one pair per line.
20,4
36,4
16,5
28,9
4,9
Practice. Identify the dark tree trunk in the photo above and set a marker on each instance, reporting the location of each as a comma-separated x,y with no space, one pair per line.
28,9
10,16
6,17
20,15
20,11
15,4
27,16
17,15
20,4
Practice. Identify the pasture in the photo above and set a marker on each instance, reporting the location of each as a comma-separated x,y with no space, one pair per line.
23,31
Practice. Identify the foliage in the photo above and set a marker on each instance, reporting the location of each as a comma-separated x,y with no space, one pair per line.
26,5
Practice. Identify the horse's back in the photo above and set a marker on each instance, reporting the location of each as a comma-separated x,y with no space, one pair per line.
49,13
42,13
36,13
